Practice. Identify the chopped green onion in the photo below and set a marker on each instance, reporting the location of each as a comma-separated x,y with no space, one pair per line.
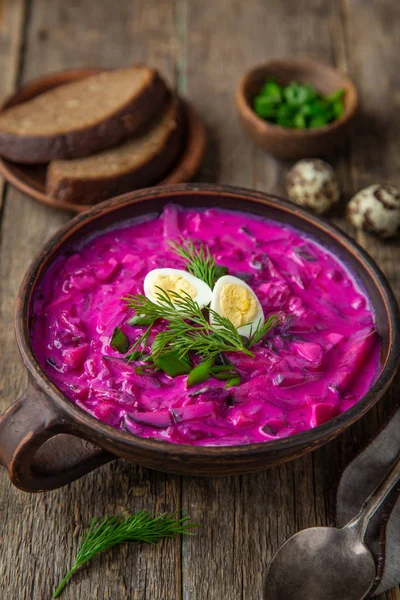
317,121
223,372
233,382
264,108
300,121
138,320
272,90
172,364
320,108
297,105
199,374
295,94
224,376
119,341
286,111
338,108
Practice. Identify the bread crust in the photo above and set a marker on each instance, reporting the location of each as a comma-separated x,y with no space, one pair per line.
92,191
83,142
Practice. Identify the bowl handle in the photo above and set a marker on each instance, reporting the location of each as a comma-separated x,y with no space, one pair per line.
35,450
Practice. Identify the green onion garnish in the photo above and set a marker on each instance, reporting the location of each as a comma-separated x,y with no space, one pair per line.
172,364
139,320
199,374
119,341
233,382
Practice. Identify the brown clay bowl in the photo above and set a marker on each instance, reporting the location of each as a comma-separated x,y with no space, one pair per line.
30,179
38,458
295,143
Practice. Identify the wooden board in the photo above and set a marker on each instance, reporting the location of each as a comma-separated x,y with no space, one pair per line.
203,47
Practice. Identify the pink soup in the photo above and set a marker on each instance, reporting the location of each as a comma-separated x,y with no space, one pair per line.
317,363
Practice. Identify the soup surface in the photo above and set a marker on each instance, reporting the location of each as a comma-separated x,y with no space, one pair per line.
317,362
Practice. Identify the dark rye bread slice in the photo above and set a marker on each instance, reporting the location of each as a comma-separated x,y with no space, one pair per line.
82,117
137,162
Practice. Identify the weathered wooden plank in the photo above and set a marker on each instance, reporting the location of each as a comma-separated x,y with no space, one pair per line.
39,529
12,16
318,36
247,527
371,48
245,518
268,507
213,562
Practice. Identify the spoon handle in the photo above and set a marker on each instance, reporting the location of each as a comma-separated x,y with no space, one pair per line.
374,501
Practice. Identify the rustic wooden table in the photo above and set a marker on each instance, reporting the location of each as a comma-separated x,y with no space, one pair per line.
203,48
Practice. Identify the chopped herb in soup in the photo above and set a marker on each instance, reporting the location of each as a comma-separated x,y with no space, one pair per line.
205,327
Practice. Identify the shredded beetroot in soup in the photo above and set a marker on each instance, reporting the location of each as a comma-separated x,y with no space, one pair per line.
316,356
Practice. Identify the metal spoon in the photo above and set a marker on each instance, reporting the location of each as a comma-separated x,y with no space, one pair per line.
328,563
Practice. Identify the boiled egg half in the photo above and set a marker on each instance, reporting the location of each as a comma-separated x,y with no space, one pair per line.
234,299
176,280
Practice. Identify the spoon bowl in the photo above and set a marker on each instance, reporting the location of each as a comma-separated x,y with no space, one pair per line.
325,562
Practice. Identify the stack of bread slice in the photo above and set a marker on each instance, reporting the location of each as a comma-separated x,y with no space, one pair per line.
102,135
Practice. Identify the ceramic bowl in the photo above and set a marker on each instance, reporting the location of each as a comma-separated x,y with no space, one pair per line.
46,441
295,143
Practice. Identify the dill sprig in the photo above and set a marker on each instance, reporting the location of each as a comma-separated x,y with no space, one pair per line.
199,261
261,330
105,533
140,344
188,330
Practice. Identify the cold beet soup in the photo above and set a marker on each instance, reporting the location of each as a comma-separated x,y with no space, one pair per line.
205,327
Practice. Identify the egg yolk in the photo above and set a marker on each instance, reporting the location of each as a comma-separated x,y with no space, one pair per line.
238,304
173,283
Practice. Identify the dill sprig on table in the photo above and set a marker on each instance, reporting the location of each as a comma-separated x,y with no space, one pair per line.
189,330
199,261
105,533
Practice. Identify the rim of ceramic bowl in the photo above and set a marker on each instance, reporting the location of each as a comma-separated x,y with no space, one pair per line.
118,438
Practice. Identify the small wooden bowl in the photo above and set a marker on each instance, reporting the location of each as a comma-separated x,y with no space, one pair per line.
30,179
295,143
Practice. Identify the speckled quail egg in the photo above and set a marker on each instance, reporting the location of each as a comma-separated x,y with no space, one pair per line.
234,299
376,209
312,183
176,280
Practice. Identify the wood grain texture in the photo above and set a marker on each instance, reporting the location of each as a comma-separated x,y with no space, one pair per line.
12,19
267,507
204,47
39,529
